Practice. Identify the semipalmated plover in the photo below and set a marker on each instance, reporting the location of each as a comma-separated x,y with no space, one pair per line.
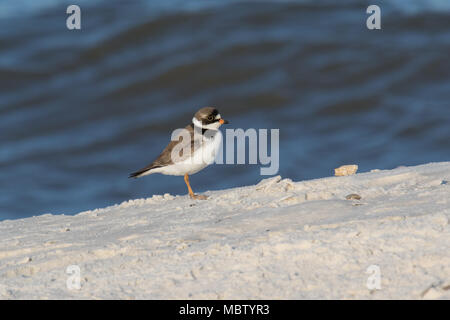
203,142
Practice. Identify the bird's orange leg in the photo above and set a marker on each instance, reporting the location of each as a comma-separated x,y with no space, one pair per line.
191,193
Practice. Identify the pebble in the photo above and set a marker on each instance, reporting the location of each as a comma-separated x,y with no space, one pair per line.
353,196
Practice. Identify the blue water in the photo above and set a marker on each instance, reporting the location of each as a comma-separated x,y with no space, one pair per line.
80,110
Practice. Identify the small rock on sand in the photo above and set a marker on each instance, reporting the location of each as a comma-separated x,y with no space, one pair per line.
346,170
353,196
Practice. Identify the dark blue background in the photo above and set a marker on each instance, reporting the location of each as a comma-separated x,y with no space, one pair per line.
80,110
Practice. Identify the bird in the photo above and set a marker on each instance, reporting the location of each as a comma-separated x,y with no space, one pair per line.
202,138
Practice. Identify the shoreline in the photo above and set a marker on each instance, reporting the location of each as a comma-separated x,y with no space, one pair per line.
278,239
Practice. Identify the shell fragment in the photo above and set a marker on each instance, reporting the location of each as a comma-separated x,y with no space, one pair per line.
346,170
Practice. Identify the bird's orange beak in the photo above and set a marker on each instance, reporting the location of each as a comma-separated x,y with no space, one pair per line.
221,121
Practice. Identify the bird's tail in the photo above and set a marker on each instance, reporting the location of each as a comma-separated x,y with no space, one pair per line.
136,174
143,171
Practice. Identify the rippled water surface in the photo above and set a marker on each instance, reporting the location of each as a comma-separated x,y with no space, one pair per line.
80,110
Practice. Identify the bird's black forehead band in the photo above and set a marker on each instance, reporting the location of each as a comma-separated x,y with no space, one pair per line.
213,113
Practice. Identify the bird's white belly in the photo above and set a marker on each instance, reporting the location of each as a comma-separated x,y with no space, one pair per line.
201,158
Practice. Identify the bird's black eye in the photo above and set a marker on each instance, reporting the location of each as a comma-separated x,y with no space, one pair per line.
210,118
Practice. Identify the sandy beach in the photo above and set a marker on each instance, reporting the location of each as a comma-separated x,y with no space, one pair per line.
329,238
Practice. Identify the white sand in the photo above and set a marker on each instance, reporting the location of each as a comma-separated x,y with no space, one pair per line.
276,240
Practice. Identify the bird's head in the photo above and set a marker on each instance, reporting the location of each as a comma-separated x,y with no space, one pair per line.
208,118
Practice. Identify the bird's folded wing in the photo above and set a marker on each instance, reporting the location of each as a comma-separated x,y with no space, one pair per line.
185,148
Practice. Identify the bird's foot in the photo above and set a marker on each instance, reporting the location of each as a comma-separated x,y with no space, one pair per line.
198,196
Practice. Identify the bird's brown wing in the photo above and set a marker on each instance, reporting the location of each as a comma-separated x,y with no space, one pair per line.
165,158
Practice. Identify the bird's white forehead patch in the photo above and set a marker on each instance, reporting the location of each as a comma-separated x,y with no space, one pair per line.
218,116
211,126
